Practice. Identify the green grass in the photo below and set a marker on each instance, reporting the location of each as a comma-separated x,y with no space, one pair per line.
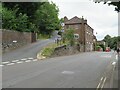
47,52
41,36
49,49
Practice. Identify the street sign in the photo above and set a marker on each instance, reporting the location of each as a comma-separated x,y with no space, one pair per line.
62,24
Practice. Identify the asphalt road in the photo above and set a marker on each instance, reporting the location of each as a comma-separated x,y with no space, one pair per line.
27,51
84,70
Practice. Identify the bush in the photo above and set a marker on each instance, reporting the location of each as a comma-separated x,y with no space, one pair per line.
98,47
43,36
12,21
69,36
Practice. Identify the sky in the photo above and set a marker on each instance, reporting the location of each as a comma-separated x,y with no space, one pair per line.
101,17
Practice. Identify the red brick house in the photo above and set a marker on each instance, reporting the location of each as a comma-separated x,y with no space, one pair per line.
84,31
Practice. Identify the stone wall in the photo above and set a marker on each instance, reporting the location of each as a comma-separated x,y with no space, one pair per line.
65,50
14,39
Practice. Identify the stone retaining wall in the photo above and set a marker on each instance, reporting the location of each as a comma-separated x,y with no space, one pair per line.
65,50
14,39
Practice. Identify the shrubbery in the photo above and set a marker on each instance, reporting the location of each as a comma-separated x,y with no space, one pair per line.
69,36
40,17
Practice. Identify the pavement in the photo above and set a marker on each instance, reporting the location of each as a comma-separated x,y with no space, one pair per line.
84,70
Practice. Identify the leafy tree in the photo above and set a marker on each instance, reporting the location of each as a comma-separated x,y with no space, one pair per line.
40,17
102,46
28,8
13,22
69,36
47,18
0,15
98,47
107,39
16,22
116,4
8,19
113,42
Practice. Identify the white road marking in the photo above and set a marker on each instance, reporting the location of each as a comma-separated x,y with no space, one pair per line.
67,72
106,56
101,79
28,61
103,82
35,60
113,63
23,59
15,60
30,58
5,62
117,57
10,64
99,83
1,65
20,62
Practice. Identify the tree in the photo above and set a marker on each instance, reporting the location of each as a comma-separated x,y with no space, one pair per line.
102,46
41,17
69,36
113,42
13,22
114,3
117,4
107,39
47,18
28,8
0,15
23,13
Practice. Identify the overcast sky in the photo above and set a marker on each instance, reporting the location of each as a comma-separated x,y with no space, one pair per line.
101,17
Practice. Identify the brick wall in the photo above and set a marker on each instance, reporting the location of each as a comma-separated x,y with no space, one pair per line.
14,39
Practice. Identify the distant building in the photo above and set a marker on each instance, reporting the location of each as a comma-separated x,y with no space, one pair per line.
82,30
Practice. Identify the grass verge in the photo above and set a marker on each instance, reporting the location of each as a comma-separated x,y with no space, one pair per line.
49,50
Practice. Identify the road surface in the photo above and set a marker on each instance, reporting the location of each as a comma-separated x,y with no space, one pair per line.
84,70
25,52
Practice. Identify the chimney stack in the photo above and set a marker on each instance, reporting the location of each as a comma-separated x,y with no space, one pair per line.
65,19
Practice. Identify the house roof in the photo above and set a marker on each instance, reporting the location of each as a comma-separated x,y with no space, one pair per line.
74,20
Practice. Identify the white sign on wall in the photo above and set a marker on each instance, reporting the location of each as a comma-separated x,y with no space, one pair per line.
76,36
